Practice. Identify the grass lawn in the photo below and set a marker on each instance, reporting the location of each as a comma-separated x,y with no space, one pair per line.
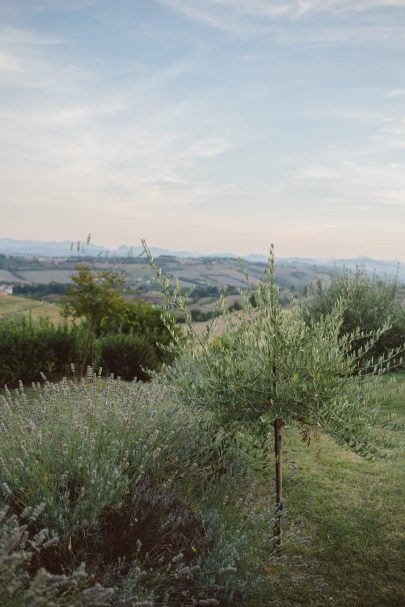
354,512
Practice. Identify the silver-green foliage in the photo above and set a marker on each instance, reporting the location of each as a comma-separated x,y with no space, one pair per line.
74,451
80,446
265,363
370,302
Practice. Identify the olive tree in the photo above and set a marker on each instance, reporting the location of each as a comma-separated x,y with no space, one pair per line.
267,367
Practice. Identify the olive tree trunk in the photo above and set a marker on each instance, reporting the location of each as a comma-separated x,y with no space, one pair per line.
279,480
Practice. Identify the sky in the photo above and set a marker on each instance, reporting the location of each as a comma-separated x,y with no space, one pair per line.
205,125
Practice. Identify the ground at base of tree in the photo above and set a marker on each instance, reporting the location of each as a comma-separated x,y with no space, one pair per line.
354,512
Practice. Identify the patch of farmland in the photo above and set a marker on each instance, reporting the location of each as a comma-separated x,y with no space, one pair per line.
212,275
22,307
45,276
206,301
209,304
136,272
10,304
7,276
290,276
232,278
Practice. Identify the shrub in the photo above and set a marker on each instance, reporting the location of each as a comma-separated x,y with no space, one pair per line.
114,463
201,316
136,342
143,319
126,355
39,291
18,589
369,303
29,348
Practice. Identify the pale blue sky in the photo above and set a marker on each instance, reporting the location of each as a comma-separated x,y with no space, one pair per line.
210,125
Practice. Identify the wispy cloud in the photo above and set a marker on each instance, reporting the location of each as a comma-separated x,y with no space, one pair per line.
29,59
392,133
89,142
25,37
343,6
209,147
396,93
248,18
316,172
208,9
9,65
375,185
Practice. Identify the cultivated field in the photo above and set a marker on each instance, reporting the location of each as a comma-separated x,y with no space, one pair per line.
216,272
19,307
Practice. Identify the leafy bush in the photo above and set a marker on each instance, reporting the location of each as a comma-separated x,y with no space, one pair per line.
136,338
140,339
126,355
201,316
151,322
369,304
28,349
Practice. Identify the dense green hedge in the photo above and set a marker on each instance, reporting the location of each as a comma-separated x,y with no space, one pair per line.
136,341
126,355
37,291
29,348
125,348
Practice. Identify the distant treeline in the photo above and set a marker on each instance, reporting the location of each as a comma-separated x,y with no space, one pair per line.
38,291
11,263
201,291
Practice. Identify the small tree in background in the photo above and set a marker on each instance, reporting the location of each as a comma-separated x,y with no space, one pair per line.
97,297
133,337
267,366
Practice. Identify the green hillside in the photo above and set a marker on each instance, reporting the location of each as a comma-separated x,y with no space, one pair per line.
12,306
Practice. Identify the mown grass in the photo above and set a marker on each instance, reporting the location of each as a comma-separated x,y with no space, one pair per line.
354,512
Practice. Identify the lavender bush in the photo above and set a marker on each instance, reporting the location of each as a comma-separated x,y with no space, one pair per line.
150,493
19,589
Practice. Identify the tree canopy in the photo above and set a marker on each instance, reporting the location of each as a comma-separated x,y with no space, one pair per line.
95,296
267,363
370,302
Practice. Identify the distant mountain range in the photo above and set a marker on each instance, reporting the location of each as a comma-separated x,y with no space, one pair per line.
9,246
66,248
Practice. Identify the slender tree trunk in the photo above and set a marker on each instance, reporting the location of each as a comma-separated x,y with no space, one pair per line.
279,480
86,350
278,465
